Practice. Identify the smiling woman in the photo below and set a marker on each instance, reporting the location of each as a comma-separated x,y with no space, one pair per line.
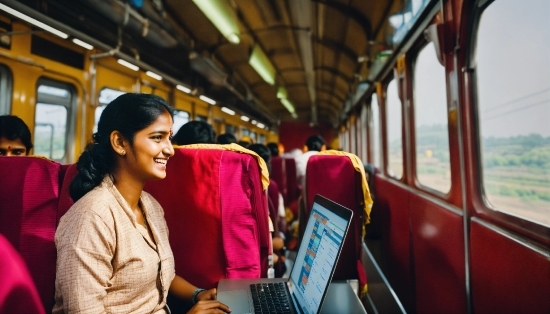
113,253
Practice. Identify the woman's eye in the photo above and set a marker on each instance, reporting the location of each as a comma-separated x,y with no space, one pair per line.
157,137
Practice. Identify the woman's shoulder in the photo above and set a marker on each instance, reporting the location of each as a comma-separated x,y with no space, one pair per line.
94,203
155,205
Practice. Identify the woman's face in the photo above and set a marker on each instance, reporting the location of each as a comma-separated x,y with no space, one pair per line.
12,147
151,149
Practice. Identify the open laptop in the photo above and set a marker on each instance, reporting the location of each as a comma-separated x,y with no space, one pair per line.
311,274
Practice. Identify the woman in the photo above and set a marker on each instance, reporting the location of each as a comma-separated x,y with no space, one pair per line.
113,253
15,137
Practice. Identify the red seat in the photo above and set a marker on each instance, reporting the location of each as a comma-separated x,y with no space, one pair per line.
217,214
278,174
273,204
65,200
292,185
335,178
17,291
28,216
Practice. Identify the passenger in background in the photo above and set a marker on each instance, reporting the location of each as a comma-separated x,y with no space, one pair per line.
274,149
314,144
278,238
294,153
226,138
113,254
194,132
15,137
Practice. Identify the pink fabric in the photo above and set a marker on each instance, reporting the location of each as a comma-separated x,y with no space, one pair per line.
335,178
17,291
278,174
216,213
28,209
292,186
65,200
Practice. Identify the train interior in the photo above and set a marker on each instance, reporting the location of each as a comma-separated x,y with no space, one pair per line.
434,113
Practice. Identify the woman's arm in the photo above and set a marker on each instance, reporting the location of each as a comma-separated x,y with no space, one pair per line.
206,300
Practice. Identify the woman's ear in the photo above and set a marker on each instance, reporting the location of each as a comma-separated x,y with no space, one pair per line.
118,143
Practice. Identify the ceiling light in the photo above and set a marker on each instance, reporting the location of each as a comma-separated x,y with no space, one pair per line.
260,125
289,106
254,122
228,111
208,100
154,75
281,92
82,44
128,64
222,15
33,21
260,62
183,89
245,118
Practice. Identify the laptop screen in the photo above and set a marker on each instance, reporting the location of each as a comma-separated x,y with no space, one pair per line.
316,258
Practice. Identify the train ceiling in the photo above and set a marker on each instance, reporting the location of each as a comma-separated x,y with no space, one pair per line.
277,60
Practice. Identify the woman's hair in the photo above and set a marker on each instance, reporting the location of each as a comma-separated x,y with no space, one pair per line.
13,128
194,132
128,114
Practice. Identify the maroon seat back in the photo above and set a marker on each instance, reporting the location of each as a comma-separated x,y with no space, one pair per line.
18,294
28,214
65,200
217,215
292,186
273,204
278,174
335,178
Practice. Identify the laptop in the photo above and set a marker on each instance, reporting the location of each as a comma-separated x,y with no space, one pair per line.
306,289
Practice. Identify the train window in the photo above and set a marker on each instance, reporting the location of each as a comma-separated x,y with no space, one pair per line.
352,133
253,136
201,118
394,126
513,89
375,127
180,118
106,95
5,90
261,139
345,143
364,134
51,127
433,168
229,128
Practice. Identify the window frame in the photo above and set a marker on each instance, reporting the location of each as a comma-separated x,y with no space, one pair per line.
385,161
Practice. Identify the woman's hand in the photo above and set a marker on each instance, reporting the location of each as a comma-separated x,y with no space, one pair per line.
207,295
209,306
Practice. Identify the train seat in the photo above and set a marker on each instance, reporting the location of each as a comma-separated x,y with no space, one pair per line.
215,206
278,174
340,177
17,292
28,214
292,185
65,200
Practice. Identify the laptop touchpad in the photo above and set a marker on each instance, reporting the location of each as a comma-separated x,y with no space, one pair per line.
237,300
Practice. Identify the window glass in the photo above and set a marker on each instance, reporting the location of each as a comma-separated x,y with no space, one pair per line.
5,90
261,139
245,132
513,88
253,136
375,126
393,113
346,139
201,118
433,168
180,118
51,127
50,131
230,129
351,124
364,134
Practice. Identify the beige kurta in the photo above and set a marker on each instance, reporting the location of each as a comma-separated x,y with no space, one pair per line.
106,262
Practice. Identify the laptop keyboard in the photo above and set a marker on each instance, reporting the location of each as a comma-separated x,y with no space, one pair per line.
270,298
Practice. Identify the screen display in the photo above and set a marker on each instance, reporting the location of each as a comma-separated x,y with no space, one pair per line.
316,257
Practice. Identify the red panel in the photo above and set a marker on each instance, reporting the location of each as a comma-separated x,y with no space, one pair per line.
292,186
507,276
294,134
391,206
438,247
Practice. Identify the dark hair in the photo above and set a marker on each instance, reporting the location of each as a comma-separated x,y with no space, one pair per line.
194,132
226,138
263,151
128,114
13,128
273,148
315,142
